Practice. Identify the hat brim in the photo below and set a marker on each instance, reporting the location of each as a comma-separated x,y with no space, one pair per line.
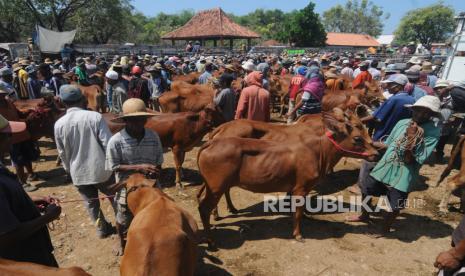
413,106
119,119
14,127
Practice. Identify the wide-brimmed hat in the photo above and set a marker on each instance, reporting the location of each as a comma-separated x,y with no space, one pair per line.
11,126
414,60
431,102
391,68
427,67
413,72
48,61
441,83
230,67
134,107
331,75
57,62
24,62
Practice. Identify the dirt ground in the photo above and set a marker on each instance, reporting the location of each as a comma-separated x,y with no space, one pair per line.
258,243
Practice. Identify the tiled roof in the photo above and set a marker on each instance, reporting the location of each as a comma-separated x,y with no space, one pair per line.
348,39
212,23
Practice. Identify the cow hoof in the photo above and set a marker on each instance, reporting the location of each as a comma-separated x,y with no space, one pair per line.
299,238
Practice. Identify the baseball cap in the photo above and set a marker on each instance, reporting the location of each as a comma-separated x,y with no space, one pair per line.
70,93
397,78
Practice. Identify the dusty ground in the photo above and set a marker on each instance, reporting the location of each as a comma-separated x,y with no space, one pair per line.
255,243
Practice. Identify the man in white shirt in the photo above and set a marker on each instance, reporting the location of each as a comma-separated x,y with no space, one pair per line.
81,137
347,71
375,73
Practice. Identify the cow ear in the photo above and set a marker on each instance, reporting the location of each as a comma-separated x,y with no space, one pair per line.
336,122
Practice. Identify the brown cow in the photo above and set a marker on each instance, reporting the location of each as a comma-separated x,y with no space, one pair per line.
266,166
456,182
162,238
279,91
12,268
186,97
261,130
179,131
191,78
93,93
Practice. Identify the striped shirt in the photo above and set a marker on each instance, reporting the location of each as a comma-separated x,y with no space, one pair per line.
122,149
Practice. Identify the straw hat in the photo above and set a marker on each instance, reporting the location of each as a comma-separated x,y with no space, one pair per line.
48,61
230,67
427,67
134,107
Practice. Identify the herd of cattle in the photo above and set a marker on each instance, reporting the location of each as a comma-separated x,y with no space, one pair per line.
255,156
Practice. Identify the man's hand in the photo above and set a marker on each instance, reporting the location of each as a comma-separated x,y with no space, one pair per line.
52,212
412,129
445,260
43,201
147,169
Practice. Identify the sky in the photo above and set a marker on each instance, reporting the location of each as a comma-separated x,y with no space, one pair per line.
396,8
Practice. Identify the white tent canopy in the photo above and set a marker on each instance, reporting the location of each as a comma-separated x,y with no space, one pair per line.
51,41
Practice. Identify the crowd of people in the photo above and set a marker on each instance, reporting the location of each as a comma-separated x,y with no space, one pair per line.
409,125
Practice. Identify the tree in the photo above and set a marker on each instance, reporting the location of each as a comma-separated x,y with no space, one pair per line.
102,20
54,13
303,28
361,17
15,21
426,25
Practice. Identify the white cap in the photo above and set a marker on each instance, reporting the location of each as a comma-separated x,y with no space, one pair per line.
431,102
345,61
112,75
441,83
248,66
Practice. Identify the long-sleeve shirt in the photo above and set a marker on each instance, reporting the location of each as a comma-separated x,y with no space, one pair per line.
360,79
254,104
81,137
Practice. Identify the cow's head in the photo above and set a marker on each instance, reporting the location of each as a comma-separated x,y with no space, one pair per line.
349,135
213,115
131,183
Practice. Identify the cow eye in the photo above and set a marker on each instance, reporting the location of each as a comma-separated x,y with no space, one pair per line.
358,140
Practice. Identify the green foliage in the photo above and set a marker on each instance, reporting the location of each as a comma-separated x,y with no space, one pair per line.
304,28
355,17
426,25
15,21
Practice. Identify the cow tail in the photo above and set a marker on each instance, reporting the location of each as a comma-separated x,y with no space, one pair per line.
456,152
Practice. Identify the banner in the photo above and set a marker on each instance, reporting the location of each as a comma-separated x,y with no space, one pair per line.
295,51
53,42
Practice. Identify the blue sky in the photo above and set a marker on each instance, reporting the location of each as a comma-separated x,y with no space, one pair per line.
396,8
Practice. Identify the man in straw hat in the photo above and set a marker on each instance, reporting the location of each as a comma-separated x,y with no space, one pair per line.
23,232
81,137
133,149
408,146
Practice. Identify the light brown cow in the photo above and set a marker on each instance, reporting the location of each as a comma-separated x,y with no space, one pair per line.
456,182
266,166
12,268
279,91
186,97
93,93
191,78
162,238
179,131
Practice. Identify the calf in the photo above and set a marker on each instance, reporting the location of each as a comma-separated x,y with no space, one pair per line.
191,78
12,268
266,166
162,238
457,181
